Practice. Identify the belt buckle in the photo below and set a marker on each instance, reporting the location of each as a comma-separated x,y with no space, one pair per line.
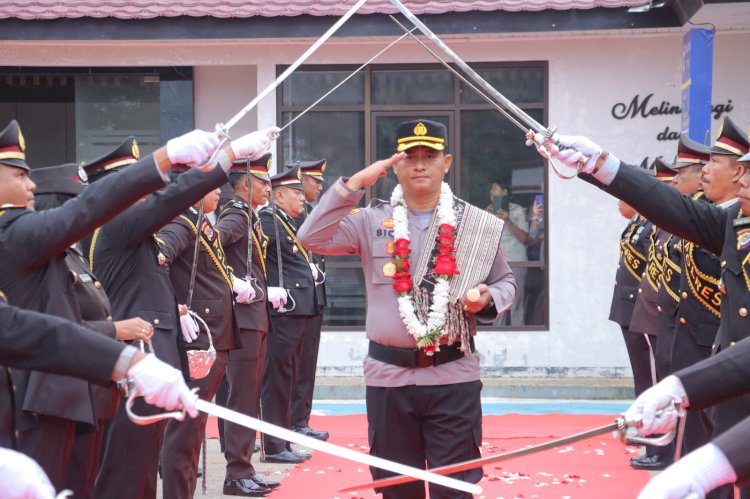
424,360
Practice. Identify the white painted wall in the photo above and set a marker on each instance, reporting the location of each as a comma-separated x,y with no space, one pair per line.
588,74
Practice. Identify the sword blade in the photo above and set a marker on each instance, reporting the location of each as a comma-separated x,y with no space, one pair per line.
476,463
336,450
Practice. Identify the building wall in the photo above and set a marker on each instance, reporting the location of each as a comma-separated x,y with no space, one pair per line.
588,75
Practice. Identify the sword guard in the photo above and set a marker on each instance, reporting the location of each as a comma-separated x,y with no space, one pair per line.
283,308
660,441
260,293
147,420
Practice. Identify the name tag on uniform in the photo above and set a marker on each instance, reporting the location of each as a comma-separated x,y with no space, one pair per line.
84,277
740,222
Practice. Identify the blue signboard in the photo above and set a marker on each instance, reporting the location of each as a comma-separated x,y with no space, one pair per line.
697,74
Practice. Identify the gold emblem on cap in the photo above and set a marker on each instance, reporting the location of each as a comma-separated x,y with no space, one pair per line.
323,168
299,173
21,141
420,129
136,152
269,163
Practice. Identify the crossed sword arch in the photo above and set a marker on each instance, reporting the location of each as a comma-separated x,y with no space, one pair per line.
548,148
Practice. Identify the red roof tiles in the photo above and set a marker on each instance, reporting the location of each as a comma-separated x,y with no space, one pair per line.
147,9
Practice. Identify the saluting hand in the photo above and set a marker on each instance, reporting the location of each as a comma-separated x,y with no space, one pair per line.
371,174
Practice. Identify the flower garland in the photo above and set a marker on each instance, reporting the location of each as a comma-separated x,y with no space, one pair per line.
444,266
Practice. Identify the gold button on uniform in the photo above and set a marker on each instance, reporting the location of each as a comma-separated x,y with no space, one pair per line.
97,284
630,296
723,263
658,307
684,295
208,310
156,321
109,318
732,343
682,320
296,284
743,312
640,290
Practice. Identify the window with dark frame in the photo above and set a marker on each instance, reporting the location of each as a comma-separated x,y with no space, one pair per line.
492,167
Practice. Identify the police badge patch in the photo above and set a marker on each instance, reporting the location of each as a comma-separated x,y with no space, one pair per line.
389,269
743,239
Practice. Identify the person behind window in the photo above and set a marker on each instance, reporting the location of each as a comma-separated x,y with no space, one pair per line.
513,243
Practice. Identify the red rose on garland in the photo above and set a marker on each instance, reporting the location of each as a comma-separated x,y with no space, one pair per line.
445,265
401,248
447,229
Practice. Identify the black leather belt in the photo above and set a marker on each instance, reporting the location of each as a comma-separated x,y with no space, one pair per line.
416,357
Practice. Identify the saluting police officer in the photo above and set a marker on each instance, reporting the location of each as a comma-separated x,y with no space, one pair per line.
33,275
244,375
125,255
55,186
723,231
292,293
312,181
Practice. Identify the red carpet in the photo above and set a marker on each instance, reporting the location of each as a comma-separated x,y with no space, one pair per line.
595,468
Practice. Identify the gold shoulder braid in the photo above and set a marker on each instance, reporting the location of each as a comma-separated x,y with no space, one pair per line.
260,249
212,243
655,261
671,270
634,260
94,237
703,287
294,237
743,243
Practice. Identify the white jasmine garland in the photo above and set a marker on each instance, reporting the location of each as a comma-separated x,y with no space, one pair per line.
423,333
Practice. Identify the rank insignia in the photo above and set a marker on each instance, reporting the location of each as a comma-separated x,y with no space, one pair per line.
389,269
354,211
161,259
295,249
743,239
387,223
390,247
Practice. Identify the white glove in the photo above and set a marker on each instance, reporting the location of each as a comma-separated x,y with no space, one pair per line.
162,385
22,477
658,397
193,148
575,148
256,144
314,270
699,472
189,328
277,297
244,290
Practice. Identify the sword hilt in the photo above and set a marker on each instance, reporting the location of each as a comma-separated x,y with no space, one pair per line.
155,418
623,424
551,147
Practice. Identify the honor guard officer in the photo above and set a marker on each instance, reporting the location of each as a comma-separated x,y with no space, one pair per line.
126,256
725,232
205,284
423,380
312,181
33,275
244,375
645,317
55,186
698,297
295,308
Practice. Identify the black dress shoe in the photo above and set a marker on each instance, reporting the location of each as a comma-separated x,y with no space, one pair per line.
244,487
285,456
264,483
309,432
649,463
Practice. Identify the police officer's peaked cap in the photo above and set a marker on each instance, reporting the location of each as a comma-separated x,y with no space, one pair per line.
67,179
424,133
288,178
662,170
123,155
257,167
314,169
731,140
13,146
691,152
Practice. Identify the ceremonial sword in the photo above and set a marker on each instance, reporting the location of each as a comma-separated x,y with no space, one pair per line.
619,426
312,443
250,234
550,145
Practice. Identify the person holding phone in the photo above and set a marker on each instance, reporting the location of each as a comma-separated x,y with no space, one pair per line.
513,243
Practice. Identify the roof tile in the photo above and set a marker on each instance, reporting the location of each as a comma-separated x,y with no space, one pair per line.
148,9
